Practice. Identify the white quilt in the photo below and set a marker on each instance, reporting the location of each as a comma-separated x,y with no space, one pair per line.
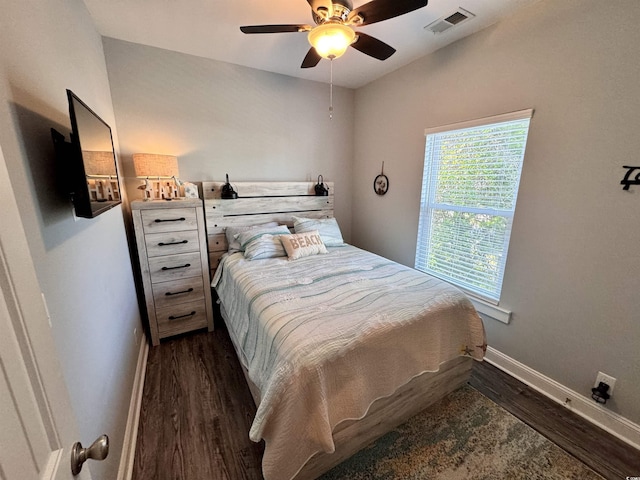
324,336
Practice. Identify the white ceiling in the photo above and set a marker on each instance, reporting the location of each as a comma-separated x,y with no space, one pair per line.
210,28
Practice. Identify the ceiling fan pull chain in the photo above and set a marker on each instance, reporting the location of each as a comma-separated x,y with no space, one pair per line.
331,91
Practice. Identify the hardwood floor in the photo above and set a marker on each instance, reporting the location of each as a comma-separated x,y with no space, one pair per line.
609,456
196,413
197,410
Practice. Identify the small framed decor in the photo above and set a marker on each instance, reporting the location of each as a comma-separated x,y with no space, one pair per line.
381,183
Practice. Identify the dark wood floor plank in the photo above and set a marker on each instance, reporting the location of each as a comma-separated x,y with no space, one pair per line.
174,405
148,441
237,414
603,452
197,411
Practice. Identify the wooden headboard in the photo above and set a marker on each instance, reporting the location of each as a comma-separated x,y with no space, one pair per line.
259,202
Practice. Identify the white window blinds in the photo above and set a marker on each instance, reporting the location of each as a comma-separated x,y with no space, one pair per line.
469,191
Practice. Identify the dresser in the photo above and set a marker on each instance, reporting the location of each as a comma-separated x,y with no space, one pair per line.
174,265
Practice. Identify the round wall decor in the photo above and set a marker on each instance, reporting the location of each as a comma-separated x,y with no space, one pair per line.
381,183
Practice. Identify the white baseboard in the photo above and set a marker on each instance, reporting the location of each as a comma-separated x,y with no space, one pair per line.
595,413
131,431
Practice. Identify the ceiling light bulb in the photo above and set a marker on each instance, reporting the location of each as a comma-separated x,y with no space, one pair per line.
331,40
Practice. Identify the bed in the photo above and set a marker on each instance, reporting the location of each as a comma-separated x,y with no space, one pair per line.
337,347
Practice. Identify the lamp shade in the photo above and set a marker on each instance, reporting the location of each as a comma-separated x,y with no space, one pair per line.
331,40
99,162
154,165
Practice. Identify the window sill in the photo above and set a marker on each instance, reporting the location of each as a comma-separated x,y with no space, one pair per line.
491,311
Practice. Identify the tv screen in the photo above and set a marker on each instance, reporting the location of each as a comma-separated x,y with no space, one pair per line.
89,161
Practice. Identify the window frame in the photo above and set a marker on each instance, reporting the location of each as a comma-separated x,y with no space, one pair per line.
428,204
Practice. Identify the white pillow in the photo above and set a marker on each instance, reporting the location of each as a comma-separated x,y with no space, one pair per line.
301,245
259,243
327,228
231,232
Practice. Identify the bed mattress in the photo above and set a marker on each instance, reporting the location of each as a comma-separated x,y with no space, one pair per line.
324,336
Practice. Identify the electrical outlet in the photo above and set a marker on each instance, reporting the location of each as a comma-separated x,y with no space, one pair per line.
608,379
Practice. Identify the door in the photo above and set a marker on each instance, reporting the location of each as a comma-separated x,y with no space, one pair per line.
37,425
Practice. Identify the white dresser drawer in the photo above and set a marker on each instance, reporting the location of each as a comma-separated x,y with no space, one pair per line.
166,294
169,220
175,267
181,318
172,242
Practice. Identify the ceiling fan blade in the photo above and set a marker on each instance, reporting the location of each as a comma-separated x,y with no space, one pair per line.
275,28
372,46
379,10
311,59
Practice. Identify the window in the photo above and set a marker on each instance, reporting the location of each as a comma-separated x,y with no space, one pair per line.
469,190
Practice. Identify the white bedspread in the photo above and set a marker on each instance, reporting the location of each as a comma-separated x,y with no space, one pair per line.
323,337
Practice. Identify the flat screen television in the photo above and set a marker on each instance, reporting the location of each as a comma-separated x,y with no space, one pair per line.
88,161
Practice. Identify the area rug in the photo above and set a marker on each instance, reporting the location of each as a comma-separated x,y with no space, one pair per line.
463,436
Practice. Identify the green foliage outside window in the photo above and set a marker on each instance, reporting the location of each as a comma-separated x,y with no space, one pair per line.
469,195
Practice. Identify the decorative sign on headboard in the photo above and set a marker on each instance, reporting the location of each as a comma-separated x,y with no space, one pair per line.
627,181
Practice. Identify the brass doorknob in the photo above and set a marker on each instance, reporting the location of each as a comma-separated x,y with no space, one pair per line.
97,451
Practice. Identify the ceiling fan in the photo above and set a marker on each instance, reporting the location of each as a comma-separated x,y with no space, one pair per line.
334,32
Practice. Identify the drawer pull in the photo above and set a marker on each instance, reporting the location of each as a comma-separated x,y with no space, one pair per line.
178,293
160,220
176,317
162,244
186,265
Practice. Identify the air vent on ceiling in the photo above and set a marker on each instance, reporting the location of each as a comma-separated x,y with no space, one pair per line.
449,21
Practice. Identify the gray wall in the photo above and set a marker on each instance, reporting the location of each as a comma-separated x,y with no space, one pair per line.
83,266
221,118
573,274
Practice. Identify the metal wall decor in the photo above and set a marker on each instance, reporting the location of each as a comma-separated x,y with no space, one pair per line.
227,191
626,181
320,188
381,183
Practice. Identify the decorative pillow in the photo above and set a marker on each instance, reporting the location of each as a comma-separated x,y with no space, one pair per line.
265,246
301,245
231,232
256,247
327,228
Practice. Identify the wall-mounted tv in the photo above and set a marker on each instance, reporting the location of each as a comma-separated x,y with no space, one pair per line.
88,162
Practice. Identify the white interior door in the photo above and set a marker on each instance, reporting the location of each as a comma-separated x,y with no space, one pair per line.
37,425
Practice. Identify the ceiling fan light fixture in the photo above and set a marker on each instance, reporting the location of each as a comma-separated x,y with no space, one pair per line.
331,40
